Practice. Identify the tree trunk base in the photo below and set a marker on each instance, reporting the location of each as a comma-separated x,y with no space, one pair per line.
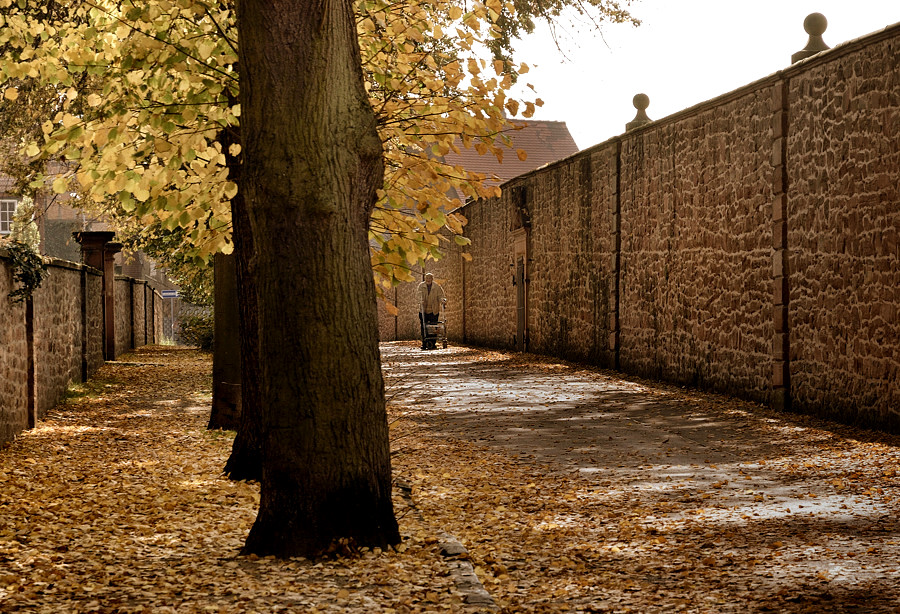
303,537
244,463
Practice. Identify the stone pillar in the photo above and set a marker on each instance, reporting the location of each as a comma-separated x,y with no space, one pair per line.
781,359
615,266
99,252
109,299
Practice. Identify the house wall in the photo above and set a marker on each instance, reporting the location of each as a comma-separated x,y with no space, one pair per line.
747,245
65,342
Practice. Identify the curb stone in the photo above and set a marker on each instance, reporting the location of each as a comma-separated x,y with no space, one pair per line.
463,574
461,570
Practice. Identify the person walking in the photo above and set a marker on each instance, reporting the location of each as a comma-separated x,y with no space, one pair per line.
431,298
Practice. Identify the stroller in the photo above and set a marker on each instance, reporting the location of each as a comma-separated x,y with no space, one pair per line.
438,332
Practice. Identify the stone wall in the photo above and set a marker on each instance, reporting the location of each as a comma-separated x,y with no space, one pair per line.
749,244
695,298
569,270
843,233
58,332
157,310
488,300
13,359
93,316
138,322
124,320
59,338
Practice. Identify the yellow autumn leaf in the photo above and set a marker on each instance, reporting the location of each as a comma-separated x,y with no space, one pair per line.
205,49
11,94
60,185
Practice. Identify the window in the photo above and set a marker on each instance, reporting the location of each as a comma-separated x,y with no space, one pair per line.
7,211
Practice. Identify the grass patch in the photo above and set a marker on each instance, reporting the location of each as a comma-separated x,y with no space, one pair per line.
91,389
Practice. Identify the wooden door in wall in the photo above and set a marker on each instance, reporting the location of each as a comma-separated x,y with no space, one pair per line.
520,304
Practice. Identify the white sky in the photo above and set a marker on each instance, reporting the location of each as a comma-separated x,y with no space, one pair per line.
684,52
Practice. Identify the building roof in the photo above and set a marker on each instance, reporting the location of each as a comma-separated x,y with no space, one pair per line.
543,141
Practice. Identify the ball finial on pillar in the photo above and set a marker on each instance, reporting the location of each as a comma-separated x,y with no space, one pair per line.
815,25
640,102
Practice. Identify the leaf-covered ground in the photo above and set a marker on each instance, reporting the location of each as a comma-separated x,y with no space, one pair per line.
116,503
573,490
577,491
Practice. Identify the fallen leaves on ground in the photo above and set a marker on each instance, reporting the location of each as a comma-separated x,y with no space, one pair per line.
713,504
116,503
594,494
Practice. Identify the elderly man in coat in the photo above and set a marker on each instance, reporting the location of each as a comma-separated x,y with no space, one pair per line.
431,297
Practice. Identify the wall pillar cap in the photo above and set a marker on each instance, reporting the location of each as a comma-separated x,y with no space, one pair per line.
93,238
815,25
640,102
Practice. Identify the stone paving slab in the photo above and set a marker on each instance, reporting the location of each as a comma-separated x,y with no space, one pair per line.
660,442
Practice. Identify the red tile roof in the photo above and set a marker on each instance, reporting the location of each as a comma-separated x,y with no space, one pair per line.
544,141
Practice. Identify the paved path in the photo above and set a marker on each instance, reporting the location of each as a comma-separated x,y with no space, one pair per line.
665,443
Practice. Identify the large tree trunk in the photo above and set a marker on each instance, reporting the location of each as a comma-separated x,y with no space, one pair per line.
245,462
312,164
226,394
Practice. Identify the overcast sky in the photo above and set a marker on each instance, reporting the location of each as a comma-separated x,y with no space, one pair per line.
684,52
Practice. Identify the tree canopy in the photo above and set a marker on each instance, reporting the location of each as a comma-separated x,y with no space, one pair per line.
135,96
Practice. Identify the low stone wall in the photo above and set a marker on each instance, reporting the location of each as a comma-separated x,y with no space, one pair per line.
749,245
123,314
14,390
57,338
93,316
58,331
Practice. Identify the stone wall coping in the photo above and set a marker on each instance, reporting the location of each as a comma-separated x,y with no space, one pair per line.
842,49
801,66
134,280
59,263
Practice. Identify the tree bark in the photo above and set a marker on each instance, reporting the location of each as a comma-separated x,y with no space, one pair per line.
226,397
312,164
245,462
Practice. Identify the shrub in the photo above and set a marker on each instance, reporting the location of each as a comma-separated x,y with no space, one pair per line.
197,330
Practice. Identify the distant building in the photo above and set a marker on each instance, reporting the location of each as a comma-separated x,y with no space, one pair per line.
544,142
56,220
